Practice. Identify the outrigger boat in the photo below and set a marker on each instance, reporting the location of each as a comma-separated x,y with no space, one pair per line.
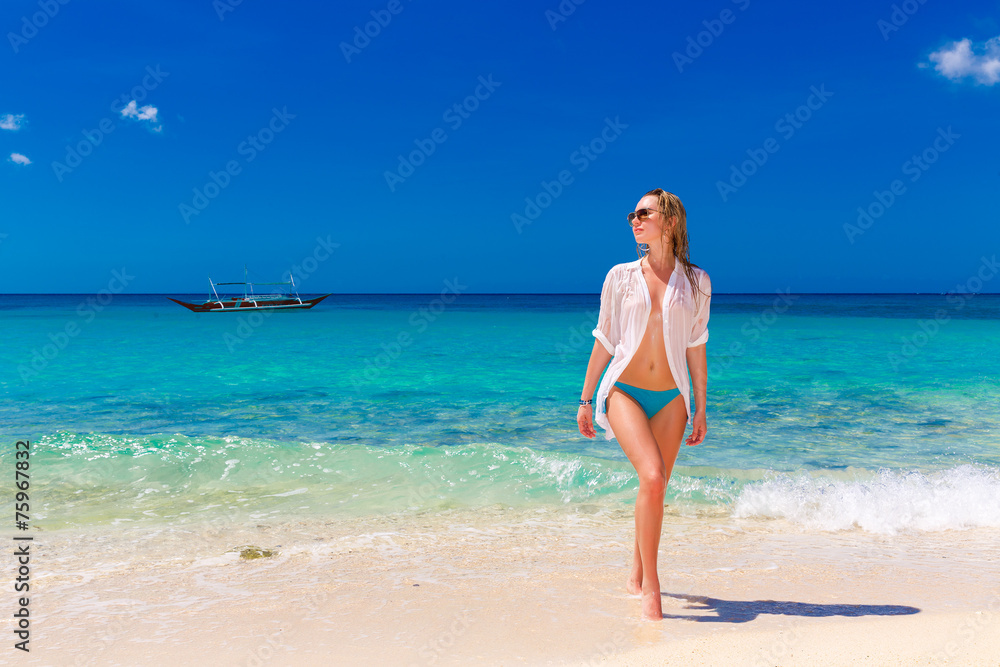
251,301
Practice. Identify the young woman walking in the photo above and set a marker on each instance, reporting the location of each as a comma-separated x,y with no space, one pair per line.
652,327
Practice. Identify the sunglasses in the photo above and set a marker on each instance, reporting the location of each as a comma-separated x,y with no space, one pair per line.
643,215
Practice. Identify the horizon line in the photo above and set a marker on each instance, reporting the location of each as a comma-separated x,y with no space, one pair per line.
334,294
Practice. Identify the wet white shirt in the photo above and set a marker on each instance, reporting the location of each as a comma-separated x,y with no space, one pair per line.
625,308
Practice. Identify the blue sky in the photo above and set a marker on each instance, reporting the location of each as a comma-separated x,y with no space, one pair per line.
300,116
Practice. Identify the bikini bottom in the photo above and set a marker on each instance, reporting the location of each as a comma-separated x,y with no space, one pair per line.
650,401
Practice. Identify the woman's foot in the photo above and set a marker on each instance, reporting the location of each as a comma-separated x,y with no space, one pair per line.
634,585
651,608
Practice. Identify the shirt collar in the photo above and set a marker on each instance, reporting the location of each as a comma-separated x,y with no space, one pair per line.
637,264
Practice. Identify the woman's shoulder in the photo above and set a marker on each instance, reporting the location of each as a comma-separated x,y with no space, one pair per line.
700,273
697,269
624,267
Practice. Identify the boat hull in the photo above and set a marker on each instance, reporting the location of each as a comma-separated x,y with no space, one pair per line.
243,305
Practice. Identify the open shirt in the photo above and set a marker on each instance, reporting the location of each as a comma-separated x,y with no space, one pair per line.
625,308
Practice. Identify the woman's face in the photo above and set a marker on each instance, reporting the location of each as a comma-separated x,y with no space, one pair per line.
649,230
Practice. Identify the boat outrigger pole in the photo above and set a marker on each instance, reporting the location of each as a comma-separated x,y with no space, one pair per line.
292,278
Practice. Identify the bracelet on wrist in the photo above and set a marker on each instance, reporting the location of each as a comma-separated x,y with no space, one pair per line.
586,402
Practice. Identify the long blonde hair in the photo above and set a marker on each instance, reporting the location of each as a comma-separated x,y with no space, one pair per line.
670,205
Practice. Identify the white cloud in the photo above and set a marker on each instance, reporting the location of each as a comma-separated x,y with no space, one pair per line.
11,122
963,58
146,113
17,158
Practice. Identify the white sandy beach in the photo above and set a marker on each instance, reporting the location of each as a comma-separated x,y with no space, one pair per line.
511,588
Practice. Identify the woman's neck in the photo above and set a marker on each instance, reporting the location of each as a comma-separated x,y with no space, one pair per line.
661,262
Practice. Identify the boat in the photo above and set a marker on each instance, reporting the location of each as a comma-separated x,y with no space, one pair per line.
251,301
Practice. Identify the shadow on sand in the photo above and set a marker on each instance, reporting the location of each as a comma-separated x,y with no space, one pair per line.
742,611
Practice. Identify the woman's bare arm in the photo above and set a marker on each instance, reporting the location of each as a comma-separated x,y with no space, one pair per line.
599,358
698,367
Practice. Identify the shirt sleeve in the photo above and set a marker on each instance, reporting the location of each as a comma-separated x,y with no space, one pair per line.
699,330
608,329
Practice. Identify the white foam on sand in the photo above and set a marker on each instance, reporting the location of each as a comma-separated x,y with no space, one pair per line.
887,503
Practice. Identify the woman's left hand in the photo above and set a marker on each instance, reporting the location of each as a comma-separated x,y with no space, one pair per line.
698,429
585,420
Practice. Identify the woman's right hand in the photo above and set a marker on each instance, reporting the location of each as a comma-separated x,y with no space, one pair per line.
585,420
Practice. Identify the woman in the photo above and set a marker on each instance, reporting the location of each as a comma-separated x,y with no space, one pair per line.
652,327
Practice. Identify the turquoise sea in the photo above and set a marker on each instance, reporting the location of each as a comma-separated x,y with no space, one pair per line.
878,413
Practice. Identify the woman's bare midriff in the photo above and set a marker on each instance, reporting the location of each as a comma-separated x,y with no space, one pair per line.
648,368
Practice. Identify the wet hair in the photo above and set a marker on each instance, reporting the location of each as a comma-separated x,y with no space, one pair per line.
670,206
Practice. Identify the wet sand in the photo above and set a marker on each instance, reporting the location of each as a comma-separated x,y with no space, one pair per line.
502,587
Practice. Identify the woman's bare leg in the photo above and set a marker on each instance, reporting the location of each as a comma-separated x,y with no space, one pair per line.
633,432
668,426
634,585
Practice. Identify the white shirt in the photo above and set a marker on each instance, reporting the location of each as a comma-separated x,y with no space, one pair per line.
625,308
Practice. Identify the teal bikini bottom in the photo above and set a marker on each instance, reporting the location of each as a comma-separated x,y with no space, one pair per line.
650,401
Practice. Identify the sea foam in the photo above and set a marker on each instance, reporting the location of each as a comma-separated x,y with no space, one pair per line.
889,502
91,477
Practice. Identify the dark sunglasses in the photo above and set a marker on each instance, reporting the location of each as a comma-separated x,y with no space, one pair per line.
643,215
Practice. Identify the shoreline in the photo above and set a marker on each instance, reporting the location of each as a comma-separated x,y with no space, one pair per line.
511,587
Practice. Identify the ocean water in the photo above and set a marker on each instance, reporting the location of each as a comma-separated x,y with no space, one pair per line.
878,413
